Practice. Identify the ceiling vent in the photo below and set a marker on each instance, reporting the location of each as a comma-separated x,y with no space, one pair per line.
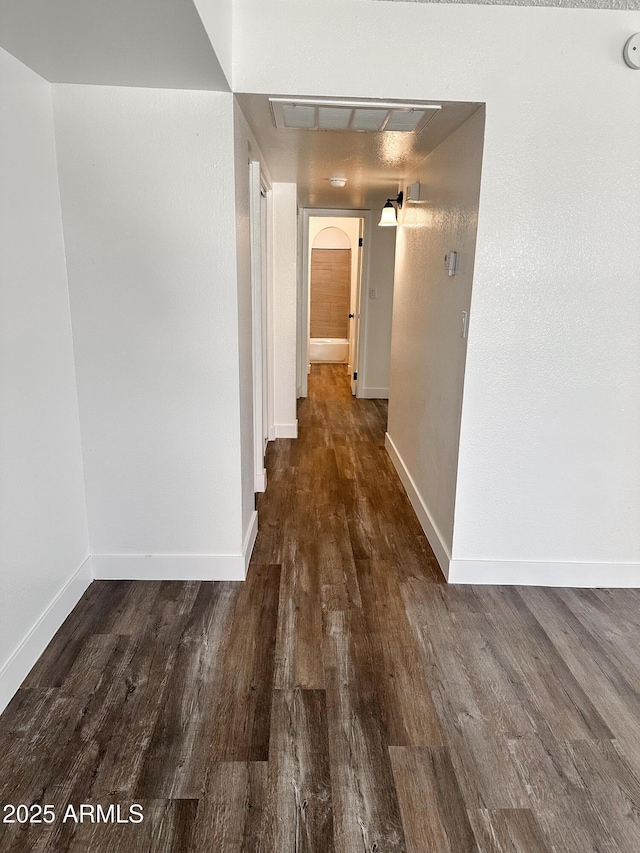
362,116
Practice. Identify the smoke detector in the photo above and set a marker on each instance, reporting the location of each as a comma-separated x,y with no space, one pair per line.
337,182
631,52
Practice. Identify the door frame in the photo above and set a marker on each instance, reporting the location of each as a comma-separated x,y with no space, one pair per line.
302,359
261,324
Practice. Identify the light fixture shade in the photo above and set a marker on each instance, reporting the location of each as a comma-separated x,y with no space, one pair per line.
388,215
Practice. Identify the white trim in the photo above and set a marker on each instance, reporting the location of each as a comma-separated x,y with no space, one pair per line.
249,541
546,573
375,393
302,307
260,481
258,366
436,540
16,669
169,567
269,309
286,430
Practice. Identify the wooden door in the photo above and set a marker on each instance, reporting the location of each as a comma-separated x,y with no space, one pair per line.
330,293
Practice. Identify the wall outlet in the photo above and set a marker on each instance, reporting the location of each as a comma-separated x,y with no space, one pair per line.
373,293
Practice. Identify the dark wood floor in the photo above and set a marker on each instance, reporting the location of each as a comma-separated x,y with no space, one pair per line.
343,698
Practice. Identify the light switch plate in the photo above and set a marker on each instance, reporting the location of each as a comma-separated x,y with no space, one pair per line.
450,263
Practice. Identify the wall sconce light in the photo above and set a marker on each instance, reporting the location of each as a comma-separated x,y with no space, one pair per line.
388,217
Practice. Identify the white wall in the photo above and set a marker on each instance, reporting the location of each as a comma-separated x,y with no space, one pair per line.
285,262
43,525
549,471
427,350
147,189
217,18
375,358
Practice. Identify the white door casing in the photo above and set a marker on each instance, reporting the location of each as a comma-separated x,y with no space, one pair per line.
359,323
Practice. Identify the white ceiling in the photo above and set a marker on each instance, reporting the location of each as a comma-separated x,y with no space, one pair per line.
376,165
148,43
567,4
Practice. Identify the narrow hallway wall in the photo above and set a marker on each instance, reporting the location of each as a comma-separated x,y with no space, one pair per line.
428,352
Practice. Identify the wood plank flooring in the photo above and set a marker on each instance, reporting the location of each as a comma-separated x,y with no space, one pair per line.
342,699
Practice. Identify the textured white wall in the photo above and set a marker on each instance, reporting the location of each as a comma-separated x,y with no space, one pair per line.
147,189
549,469
43,524
285,262
427,351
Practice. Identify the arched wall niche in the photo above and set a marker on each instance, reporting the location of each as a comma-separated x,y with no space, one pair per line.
331,238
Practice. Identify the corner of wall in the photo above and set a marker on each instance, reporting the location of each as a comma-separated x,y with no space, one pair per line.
16,669
435,537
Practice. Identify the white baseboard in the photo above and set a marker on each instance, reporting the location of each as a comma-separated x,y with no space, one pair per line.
440,548
168,567
543,573
287,430
178,567
260,481
16,669
249,541
374,393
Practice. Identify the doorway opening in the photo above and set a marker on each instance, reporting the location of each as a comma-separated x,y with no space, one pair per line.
329,300
334,285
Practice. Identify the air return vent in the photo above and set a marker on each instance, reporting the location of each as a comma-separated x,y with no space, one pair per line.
363,116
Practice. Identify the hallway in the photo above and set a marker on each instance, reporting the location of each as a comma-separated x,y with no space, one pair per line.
343,698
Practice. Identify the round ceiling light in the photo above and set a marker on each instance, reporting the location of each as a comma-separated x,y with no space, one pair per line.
337,182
